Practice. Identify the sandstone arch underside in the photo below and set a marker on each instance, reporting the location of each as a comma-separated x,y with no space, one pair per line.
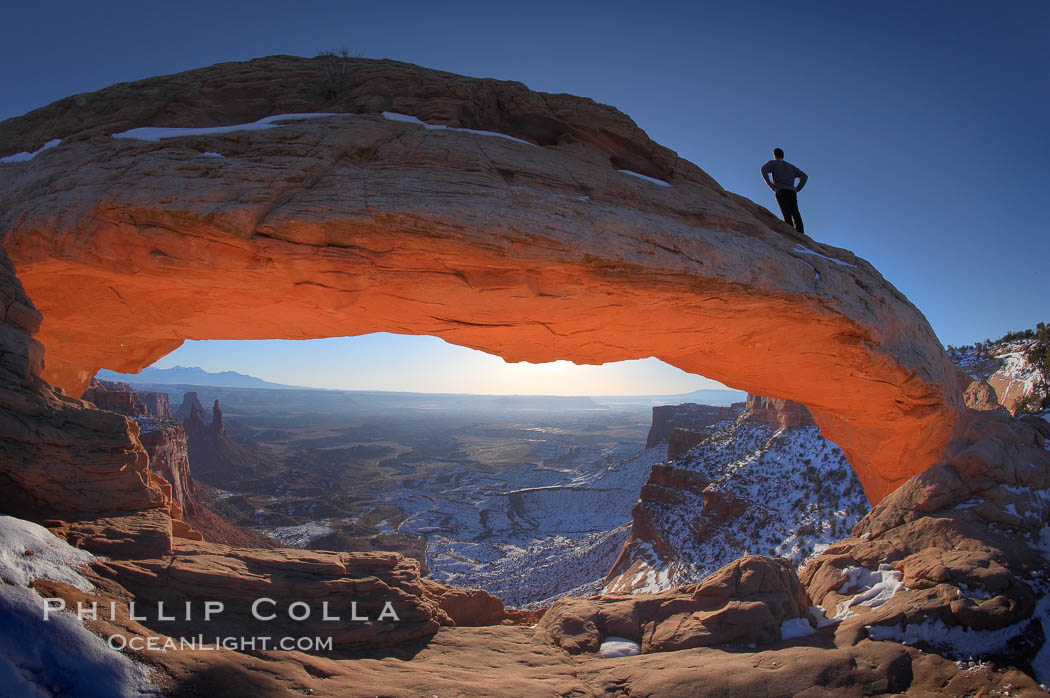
361,222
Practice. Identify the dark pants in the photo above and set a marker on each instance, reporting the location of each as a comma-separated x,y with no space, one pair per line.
788,200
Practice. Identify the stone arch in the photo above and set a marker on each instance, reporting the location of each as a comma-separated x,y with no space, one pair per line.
356,223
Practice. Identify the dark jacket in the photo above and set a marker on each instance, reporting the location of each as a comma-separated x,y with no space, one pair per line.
784,175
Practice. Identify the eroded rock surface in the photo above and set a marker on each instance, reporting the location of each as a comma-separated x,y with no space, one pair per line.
122,398
536,250
978,395
160,434
217,459
60,457
238,577
688,416
964,544
744,602
777,412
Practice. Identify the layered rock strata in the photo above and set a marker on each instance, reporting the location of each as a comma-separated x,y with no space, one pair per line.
169,458
190,402
683,440
513,660
123,398
777,412
238,577
765,483
688,416
59,456
160,434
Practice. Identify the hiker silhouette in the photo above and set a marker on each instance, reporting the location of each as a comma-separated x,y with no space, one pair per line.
780,175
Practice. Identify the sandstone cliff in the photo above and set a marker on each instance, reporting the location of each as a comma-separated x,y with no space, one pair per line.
780,413
216,458
190,402
954,553
163,438
59,456
745,602
62,458
1011,371
122,398
766,483
167,447
688,417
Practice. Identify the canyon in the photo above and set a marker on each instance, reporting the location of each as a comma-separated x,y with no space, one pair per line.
511,221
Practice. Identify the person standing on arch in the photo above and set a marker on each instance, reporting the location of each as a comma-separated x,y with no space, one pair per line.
780,176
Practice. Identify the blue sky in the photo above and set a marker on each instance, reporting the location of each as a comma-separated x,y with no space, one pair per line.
922,124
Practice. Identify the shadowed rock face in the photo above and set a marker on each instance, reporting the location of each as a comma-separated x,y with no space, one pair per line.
744,602
535,251
781,413
688,416
59,456
163,438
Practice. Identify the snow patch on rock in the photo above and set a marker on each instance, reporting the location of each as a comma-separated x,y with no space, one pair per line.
966,643
651,180
556,533
800,495
405,118
803,250
299,536
1043,545
795,627
819,616
614,646
869,588
59,656
156,133
29,551
25,157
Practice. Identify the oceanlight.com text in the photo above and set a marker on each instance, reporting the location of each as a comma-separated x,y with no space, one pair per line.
157,643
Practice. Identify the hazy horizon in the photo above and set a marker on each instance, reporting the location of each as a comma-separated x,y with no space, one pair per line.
425,364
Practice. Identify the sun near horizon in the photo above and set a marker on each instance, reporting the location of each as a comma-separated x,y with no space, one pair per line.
425,364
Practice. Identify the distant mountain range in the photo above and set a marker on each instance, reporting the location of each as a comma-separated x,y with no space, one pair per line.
191,375
194,375
719,398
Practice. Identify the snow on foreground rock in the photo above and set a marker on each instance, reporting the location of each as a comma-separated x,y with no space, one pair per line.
867,588
957,553
613,647
748,489
31,552
1006,369
58,656
795,627
970,644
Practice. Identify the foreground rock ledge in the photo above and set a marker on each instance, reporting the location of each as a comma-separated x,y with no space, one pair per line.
535,250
